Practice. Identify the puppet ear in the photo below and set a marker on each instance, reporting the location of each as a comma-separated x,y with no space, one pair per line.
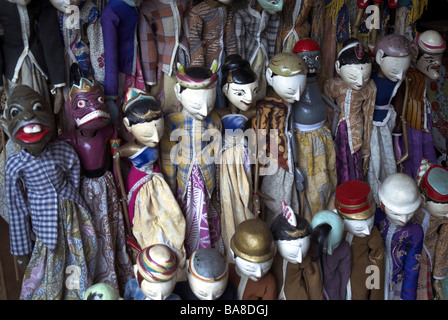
337,67
379,57
180,68
177,91
269,76
126,123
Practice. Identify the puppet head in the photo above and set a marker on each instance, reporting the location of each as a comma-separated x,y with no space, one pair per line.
393,56
327,228
427,49
309,50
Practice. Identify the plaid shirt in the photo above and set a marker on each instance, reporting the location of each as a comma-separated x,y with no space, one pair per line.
191,151
33,186
254,31
159,48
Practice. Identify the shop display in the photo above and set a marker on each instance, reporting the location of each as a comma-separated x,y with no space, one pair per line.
223,149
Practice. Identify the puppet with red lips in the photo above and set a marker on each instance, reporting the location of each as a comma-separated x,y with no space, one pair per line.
90,138
42,182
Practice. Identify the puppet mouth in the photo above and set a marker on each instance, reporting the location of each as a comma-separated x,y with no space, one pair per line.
32,133
92,116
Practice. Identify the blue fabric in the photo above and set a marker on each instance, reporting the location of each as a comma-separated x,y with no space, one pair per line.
233,122
147,155
55,173
385,88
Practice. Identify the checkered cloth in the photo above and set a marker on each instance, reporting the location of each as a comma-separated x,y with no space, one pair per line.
254,31
33,185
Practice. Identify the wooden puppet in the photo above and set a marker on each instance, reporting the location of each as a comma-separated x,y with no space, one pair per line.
42,184
354,94
91,138
153,212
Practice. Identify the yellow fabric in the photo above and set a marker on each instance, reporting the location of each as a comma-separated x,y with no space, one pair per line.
158,218
235,193
316,158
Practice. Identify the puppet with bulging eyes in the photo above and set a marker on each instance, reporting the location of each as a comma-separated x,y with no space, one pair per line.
91,137
354,94
152,209
42,183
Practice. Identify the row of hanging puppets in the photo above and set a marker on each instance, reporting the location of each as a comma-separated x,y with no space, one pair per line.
182,195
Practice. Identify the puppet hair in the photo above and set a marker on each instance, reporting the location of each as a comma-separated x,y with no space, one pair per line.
143,111
237,70
283,230
353,52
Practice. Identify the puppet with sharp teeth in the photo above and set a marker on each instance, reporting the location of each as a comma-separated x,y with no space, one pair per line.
90,139
51,230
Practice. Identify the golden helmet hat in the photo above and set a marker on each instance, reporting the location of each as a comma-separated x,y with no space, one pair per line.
253,241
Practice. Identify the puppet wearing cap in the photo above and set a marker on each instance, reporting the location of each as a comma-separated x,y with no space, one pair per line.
334,253
253,249
90,137
188,148
433,216
153,214
312,135
393,57
412,104
155,275
355,205
354,94
400,199
208,275
286,74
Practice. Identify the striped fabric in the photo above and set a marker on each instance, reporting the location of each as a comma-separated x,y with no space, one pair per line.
416,109
160,35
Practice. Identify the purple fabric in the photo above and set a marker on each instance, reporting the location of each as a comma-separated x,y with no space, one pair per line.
118,21
348,165
203,222
421,145
336,270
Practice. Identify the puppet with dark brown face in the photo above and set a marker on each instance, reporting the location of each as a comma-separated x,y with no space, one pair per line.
29,119
41,187
90,139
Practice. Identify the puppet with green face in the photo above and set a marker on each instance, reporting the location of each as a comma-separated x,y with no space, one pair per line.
41,186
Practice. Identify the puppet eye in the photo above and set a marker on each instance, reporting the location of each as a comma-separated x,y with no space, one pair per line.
101,99
317,58
13,112
305,58
81,103
37,107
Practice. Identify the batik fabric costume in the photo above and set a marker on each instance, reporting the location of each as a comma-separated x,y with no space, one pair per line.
65,242
154,213
418,123
191,177
382,159
275,115
354,128
163,42
256,35
403,248
235,179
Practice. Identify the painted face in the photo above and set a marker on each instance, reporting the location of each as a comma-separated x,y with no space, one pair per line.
30,121
62,5
89,110
241,96
294,250
438,210
394,68
359,228
252,270
147,133
207,290
429,64
271,6
355,75
197,103
399,219
312,60
289,88
158,290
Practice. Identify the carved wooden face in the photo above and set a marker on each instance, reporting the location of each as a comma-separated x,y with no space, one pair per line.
29,119
88,109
